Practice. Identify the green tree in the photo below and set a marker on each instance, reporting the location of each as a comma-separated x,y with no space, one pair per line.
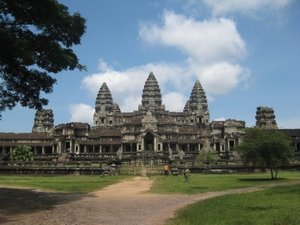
208,156
36,37
266,148
22,153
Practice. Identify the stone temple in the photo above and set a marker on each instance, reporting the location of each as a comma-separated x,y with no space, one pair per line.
150,132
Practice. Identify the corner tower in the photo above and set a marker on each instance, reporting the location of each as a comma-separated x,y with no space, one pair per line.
265,118
151,98
43,121
106,112
197,104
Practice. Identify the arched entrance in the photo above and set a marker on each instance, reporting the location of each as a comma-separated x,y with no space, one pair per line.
149,142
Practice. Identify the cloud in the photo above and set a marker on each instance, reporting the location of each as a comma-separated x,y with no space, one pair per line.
174,101
212,49
213,77
202,41
81,113
126,86
225,7
220,119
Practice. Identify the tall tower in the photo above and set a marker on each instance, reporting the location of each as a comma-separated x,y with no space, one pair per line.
43,121
106,112
151,98
265,118
197,104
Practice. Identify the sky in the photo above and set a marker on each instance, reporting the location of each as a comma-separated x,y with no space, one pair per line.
244,53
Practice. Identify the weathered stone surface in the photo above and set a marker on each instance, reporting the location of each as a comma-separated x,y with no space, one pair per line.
43,121
265,118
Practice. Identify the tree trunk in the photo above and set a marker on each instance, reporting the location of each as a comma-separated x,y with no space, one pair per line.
272,173
276,173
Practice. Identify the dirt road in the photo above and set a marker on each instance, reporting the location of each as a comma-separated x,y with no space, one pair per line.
126,203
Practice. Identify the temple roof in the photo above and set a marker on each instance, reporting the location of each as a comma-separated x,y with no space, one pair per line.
151,98
104,100
198,97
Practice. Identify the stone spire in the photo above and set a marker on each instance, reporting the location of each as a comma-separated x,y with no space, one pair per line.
198,103
265,118
107,113
43,121
151,98
104,101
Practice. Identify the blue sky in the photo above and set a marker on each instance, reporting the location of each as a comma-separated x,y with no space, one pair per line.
245,54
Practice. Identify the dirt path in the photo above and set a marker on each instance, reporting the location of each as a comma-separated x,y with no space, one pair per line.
124,203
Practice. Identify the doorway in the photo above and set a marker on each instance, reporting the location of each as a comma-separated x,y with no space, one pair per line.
149,142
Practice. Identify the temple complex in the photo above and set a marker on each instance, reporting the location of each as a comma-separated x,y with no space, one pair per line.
151,132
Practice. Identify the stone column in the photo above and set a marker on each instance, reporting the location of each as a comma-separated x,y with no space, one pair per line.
34,150
71,146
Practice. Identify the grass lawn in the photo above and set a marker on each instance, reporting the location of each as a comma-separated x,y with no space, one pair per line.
68,183
274,206
200,183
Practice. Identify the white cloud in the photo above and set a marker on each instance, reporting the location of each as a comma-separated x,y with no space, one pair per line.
211,47
126,86
81,113
225,7
203,41
220,78
220,119
174,101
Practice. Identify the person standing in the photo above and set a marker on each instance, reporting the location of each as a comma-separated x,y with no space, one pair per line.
166,169
187,174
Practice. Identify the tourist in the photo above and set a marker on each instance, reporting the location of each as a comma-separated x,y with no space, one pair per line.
187,174
166,169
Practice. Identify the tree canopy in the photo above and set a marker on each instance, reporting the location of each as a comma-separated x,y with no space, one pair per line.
266,148
35,42
22,153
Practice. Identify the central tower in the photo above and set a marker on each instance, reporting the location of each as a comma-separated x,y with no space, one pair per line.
151,98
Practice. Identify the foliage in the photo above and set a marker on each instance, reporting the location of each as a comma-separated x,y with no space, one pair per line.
201,183
35,41
266,148
22,153
207,157
274,206
69,183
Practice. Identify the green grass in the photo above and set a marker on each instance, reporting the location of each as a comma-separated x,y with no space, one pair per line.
200,183
274,206
68,183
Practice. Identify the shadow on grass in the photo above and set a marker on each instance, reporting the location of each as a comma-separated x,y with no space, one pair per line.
261,179
15,201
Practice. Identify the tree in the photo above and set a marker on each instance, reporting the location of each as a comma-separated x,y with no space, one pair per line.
207,156
266,148
35,42
22,153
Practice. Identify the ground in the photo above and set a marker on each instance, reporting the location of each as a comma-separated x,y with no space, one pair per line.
127,203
